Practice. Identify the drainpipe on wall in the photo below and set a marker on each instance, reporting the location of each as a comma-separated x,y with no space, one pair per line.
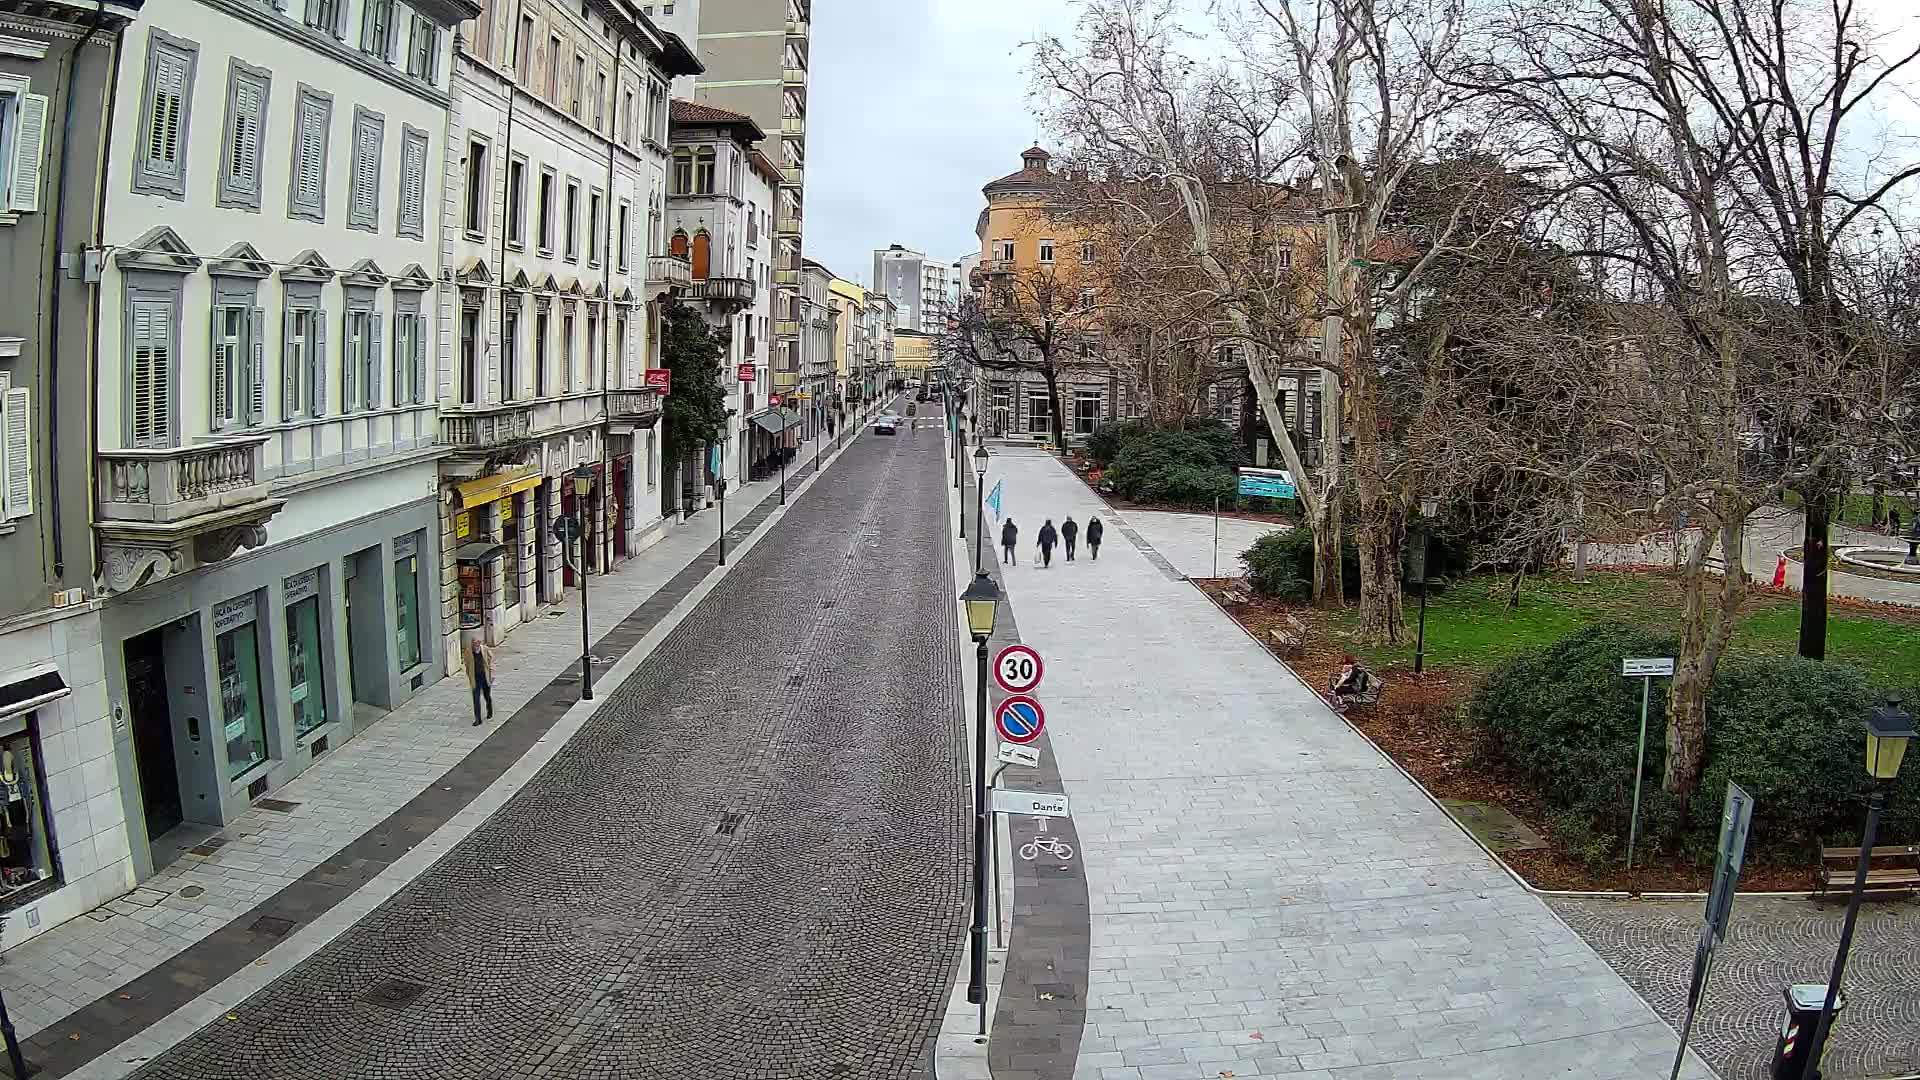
95,242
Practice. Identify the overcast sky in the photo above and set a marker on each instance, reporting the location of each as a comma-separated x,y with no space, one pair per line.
914,104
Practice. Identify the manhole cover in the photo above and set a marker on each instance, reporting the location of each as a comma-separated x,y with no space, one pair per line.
272,926
794,680
192,892
393,993
729,824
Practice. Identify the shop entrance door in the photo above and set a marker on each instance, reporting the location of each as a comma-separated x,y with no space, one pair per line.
153,732
566,556
617,515
542,592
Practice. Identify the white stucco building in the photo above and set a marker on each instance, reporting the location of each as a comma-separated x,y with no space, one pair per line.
555,202
269,303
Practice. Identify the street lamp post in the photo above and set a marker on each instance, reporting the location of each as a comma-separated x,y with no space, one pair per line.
783,453
1429,508
979,503
1888,729
1913,540
982,602
14,1057
582,486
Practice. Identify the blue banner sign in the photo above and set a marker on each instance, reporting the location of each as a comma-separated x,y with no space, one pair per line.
1268,483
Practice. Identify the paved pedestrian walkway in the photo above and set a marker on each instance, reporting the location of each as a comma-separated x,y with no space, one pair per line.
1268,895
341,797
1188,541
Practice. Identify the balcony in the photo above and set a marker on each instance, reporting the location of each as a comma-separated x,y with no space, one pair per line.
794,76
791,175
666,274
996,267
638,407
785,380
786,328
168,511
786,277
793,125
505,426
727,293
796,28
787,225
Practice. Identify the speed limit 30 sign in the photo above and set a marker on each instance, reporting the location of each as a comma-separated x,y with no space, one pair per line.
1017,668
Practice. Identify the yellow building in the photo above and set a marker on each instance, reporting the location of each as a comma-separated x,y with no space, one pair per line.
848,300
913,356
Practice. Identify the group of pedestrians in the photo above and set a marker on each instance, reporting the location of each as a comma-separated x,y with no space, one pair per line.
1068,534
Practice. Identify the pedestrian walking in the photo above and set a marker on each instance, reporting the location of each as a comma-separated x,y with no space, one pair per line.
1094,531
1009,535
1069,532
1048,537
478,660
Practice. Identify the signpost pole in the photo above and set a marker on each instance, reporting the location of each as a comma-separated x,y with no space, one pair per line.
993,842
721,486
1216,536
1639,767
783,454
586,635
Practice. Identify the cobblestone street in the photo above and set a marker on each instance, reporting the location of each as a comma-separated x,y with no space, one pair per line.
1772,944
746,864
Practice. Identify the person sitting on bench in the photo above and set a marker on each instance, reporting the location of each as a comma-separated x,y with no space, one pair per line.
1354,681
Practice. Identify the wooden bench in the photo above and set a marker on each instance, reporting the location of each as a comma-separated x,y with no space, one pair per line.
1375,691
1291,637
1890,869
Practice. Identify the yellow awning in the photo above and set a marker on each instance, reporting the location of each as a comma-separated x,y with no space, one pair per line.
488,489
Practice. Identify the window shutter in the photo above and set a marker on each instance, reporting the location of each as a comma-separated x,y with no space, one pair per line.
245,152
373,364
366,172
222,374
419,346
349,375
313,121
289,368
402,364
19,452
317,364
169,106
151,373
413,182
257,366
29,146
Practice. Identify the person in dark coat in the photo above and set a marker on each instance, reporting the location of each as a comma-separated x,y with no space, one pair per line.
1048,538
1009,534
1069,532
1094,531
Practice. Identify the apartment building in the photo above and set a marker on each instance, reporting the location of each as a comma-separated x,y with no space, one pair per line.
818,365
556,165
720,217
64,848
756,58
918,286
265,390
847,303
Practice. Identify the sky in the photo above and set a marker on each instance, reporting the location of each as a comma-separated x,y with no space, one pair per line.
914,104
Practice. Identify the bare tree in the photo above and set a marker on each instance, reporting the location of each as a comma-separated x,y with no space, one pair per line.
1034,320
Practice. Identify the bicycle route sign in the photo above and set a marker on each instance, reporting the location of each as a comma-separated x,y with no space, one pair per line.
1020,719
1017,668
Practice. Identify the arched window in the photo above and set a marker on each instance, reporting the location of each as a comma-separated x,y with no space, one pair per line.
702,254
678,245
682,172
703,171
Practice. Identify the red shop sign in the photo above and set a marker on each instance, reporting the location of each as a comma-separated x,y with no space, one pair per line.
661,379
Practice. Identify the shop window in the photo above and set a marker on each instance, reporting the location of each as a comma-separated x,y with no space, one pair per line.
26,857
510,539
237,649
406,601
306,657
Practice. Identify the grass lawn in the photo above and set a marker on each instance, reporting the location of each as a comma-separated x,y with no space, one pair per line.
1857,508
1469,626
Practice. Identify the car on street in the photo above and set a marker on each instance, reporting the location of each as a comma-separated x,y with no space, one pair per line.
887,425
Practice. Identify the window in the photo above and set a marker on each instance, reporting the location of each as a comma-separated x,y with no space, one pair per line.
1004,250
541,387
1086,411
593,228
682,172
23,124
620,348
553,68
423,50
1046,251
1086,299
572,223
23,804
247,88
626,118
369,143
650,469
153,349
360,367
409,351
16,450
523,52
1086,251
411,220
517,202
566,353
476,193
703,171
376,28
594,359
579,87
546,211
327,16
237,651
303,355
237,374
620,253
1283,258
406,601
160,161
510,348
307,184
470,356
306,667
1039,412
599,100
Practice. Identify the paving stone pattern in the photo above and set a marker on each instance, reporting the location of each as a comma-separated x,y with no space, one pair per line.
1772,944
748,863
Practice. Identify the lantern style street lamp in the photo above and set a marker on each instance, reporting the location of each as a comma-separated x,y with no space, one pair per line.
982,604
1429,509
582,487
1889,727
980,502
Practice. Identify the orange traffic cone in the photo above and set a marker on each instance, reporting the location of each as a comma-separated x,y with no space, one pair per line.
1780,572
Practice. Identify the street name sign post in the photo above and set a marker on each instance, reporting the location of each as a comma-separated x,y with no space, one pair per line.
1018,668
1030,803
1646,669
1015,754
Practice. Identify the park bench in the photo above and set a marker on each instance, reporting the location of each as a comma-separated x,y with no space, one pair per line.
1291,637
1891,868
1375,690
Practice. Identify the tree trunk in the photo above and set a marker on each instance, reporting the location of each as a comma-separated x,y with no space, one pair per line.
1053,402
1329,590
1706,627
1381,531
1813,578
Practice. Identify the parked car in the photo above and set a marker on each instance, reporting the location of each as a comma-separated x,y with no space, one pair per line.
887,425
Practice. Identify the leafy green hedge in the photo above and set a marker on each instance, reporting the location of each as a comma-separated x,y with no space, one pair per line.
1107,439
1787,730
1186,468
1280,564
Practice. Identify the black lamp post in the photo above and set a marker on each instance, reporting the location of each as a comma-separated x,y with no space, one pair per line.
582,487
1913,539
1429,509
982,601
979,503
783,452
14,1057
1888,728
720,489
